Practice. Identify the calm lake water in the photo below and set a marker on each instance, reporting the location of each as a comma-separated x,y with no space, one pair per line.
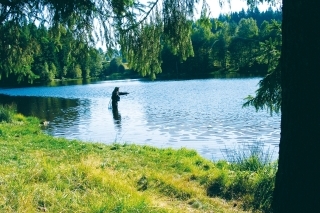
205,115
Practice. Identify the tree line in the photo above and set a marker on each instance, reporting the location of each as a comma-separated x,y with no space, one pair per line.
36,53
230,43
242,42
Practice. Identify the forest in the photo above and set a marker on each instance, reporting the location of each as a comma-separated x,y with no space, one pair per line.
246,43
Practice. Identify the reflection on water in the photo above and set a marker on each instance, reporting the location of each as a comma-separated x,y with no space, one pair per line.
116,117
45,108
205,115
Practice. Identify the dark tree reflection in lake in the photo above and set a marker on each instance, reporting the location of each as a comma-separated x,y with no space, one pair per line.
205,115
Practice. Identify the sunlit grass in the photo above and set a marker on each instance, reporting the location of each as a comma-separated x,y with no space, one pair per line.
250,177
40,173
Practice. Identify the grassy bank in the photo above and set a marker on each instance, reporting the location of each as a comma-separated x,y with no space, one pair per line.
40,173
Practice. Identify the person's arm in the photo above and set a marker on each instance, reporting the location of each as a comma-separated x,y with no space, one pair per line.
123,93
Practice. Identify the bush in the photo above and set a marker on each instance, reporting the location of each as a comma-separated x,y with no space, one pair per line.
19,117
7,113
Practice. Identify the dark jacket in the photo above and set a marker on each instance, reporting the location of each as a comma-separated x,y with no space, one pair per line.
115,96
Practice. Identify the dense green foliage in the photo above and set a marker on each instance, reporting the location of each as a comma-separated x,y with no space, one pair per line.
269,93
119,23
228,46
29,53
218,46
43,173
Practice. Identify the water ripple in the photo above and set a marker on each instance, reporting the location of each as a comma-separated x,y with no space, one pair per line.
205,115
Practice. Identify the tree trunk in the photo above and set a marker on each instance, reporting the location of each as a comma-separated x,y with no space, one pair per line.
297,187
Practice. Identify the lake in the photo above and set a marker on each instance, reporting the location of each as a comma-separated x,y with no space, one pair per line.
205,115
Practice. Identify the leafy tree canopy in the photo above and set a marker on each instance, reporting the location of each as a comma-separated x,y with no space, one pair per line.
139,29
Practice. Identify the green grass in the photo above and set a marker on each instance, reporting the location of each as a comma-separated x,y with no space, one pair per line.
250,177
41,173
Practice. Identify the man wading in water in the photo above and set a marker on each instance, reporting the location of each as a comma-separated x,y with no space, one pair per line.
116,97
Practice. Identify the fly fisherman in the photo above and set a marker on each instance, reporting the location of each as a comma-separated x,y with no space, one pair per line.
116,97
